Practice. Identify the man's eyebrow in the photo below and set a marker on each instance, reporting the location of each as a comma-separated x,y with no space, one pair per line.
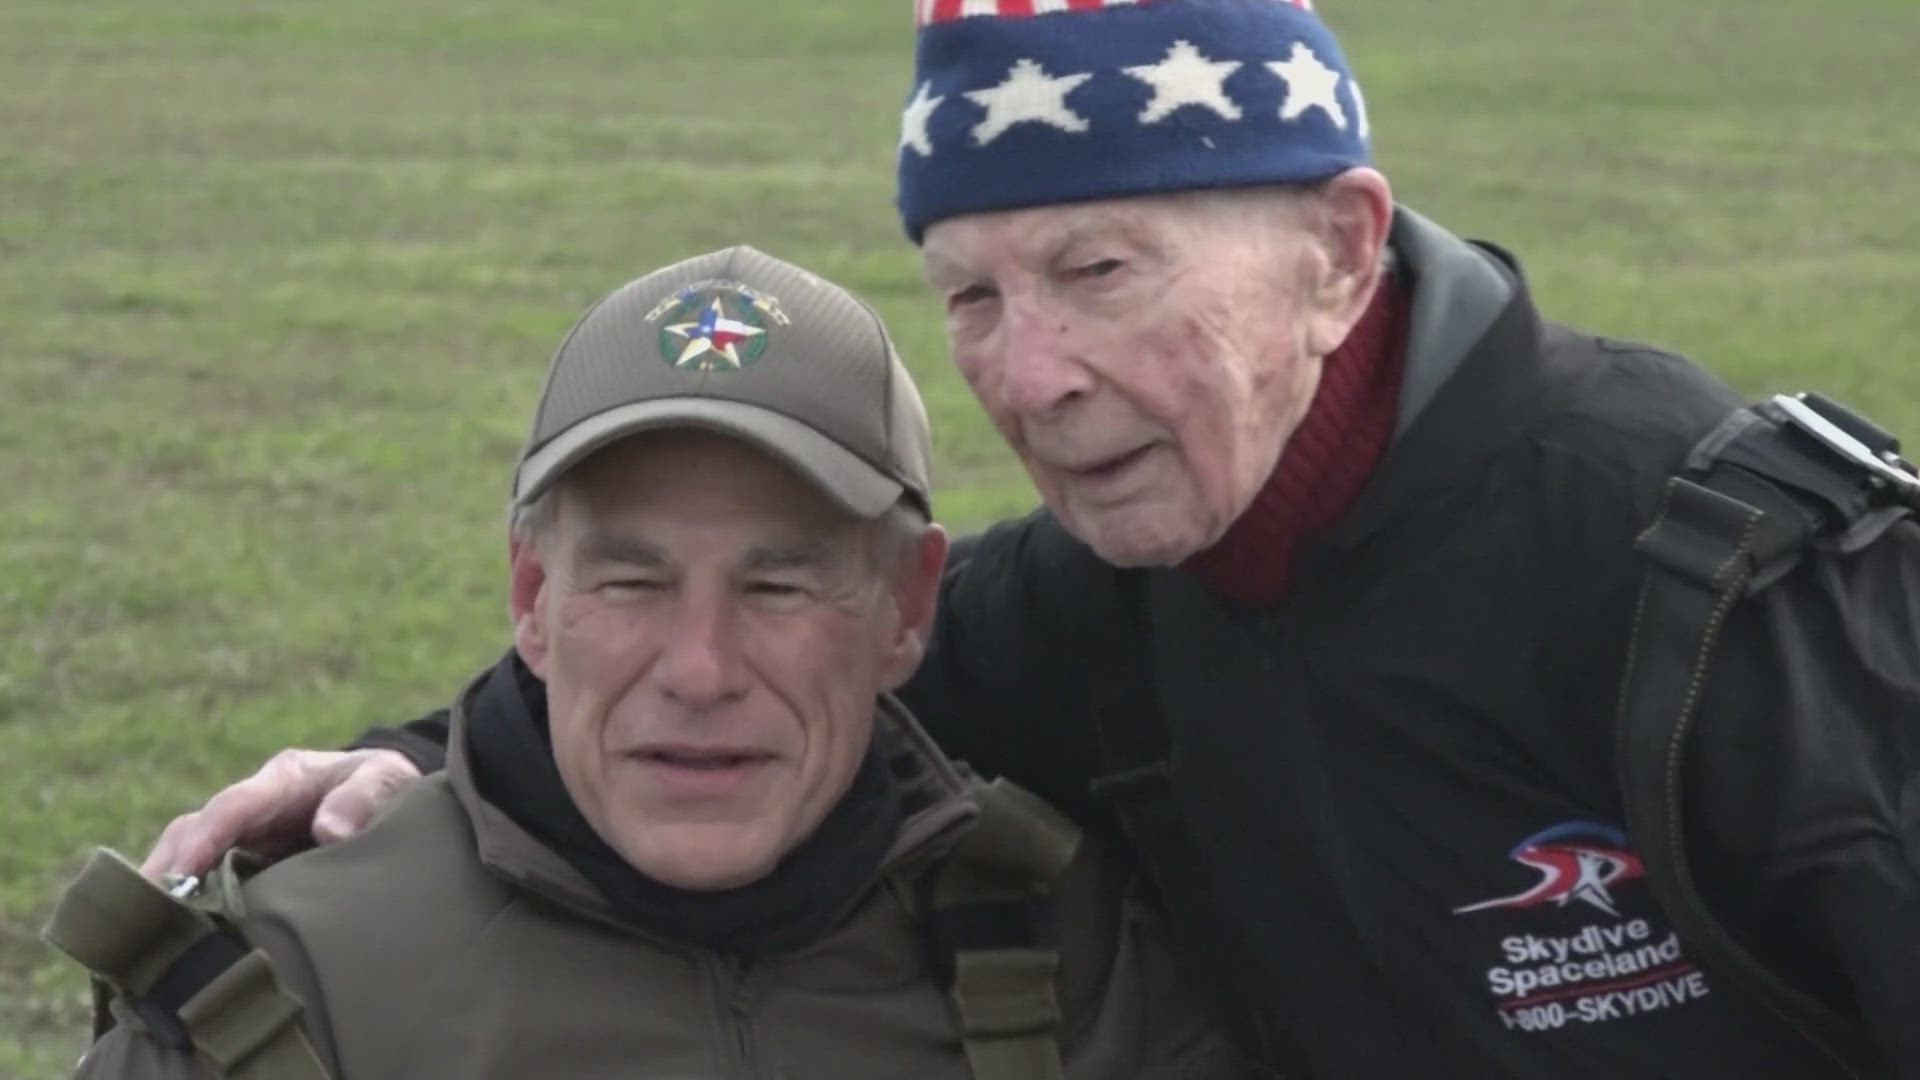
942,272
937,268
1100,225
625,550
809,554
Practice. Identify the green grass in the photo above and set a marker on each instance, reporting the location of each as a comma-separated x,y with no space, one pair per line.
278,280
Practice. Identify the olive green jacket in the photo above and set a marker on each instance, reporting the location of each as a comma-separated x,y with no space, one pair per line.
447,942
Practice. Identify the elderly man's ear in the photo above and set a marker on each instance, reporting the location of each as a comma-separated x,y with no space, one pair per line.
1359,211
916,596
529,625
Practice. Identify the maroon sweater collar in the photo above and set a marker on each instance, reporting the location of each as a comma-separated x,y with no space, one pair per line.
1327,462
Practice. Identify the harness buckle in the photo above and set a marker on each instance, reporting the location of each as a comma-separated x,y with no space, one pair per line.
1886,469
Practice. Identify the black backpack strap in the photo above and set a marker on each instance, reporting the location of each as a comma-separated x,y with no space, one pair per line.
1135,784
1769,485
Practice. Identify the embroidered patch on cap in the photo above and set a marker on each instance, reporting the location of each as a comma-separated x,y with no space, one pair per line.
716,325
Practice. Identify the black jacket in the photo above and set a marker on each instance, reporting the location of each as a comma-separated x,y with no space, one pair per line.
1401,778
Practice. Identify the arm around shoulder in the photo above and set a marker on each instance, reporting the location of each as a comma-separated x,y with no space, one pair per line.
423,741
1003,684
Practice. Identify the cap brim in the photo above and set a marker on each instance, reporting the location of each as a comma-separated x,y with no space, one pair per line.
863,490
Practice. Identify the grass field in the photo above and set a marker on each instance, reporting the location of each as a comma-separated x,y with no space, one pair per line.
278,280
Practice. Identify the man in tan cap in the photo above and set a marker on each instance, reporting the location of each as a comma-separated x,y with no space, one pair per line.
684,829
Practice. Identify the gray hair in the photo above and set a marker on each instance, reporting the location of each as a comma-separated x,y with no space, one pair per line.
896,533
1298,206
1295,203
528,522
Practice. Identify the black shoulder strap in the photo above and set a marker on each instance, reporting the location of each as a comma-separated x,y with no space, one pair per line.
1772,483
1135,783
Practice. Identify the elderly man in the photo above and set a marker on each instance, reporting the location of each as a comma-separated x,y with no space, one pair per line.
1491,699
683,830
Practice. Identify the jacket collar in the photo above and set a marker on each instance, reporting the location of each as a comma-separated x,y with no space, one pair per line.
1474,382
1458,292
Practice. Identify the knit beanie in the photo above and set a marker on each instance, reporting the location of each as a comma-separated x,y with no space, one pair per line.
1029,102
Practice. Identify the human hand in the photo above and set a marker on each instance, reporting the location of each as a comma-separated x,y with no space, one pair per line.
297,799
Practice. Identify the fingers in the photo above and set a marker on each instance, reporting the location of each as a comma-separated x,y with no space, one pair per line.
272,807
324,794
376,777
172,853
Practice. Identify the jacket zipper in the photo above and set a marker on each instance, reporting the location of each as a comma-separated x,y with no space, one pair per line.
733,1005
1676,750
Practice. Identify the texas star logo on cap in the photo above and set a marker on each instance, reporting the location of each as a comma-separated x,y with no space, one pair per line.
716,325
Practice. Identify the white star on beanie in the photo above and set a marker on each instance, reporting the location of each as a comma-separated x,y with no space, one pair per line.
1310,84
1184,78
913,121
1029,94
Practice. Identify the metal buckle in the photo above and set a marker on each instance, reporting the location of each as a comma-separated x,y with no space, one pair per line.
1886,469
180,886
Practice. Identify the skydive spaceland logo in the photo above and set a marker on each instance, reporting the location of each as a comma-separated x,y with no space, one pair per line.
1569,868
1600,972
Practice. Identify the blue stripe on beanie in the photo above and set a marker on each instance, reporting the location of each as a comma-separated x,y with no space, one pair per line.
1067,106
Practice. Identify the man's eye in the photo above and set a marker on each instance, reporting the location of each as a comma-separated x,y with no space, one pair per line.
632,585
1097,269
972,294
775,590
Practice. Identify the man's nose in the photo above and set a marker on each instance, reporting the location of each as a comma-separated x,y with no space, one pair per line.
1044,372
701,665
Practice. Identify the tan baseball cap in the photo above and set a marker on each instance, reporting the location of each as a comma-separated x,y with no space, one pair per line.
739,342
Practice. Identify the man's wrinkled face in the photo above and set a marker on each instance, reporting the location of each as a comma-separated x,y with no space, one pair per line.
713,633
1147,358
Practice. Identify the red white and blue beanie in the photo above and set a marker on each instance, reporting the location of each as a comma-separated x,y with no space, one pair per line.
1029,102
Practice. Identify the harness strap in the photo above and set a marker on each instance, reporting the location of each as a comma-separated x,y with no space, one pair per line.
247,1025
990,922
189,978
1757,495
120,926
159,1008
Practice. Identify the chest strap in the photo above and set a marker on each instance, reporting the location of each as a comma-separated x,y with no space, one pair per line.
189,979
994,944
1772,484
